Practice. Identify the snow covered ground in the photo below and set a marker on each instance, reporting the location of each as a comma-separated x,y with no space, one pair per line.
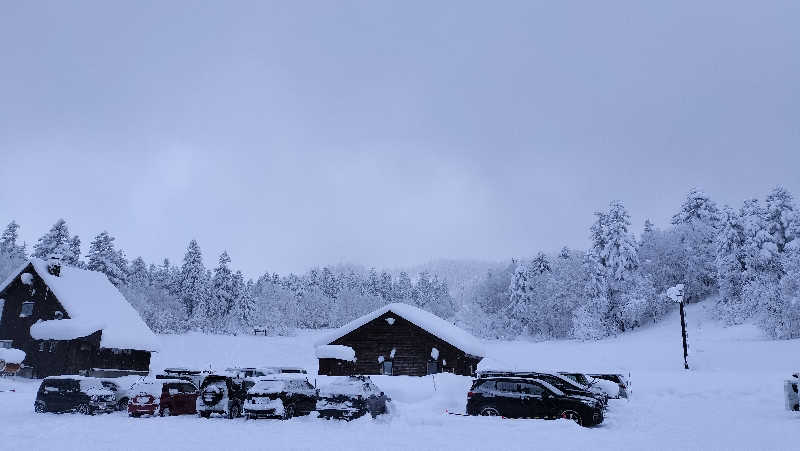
731,399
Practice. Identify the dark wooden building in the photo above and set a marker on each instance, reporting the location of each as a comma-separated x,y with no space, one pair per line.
71,321
399,339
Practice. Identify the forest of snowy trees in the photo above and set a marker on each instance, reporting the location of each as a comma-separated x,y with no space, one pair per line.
748,258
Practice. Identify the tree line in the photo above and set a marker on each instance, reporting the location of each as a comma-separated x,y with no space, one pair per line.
176,299
747,258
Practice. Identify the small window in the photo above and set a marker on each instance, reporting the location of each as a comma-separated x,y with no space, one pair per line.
5,344
27,309
52,346
506,387
386,368
41,346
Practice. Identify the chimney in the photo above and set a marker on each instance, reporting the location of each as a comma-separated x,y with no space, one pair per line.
54,264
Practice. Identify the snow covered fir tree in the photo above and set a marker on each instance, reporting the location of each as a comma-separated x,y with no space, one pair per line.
748,258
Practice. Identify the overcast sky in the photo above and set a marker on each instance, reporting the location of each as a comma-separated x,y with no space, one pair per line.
301,133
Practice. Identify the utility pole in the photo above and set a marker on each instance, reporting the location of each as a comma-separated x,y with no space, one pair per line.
676,294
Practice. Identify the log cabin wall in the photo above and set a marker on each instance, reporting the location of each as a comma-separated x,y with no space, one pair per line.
412,346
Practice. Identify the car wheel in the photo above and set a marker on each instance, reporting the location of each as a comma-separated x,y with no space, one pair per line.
205,414
489,411
122,404
165,412
572,415
39,407
83,409
288,412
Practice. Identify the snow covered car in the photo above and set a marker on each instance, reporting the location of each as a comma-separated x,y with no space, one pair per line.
621,380
80,394
790,389
222,394
121,387
599,386
351,397
163,397
265,371
280,397
517,397
194,376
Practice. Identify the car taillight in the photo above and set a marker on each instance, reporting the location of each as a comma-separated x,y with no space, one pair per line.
469,394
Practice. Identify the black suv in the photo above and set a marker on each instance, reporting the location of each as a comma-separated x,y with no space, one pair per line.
560,381
280,397
80,394
518,397
222,394
352,397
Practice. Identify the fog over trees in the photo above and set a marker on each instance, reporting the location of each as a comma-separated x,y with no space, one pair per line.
747,258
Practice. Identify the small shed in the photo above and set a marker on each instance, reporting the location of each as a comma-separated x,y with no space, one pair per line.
71,321
399,339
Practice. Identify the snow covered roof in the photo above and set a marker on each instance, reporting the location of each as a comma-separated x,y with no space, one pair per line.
12,355
428,321
92,301
64,329
338,352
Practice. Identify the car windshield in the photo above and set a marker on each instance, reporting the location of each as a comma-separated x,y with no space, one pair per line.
267,387
91,384
150,388
348,387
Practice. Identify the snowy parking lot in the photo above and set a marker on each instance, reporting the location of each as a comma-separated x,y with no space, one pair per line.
731,399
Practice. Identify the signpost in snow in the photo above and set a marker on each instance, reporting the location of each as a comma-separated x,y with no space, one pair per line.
676,294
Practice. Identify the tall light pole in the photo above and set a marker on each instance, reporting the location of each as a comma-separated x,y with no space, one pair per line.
676,294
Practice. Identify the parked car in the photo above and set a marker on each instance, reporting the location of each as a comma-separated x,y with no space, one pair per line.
280,397
790,390
517,397
163,397
566,384
264,371
194,376
622,381
121,387
607,388
222,394
80,394
351,397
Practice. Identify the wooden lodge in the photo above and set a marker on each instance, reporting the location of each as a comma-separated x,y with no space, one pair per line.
398,339
71,321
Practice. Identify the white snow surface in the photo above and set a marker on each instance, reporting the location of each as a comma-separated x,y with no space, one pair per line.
26,278
731,399
428,321
339,352
11,355
64,329
89,297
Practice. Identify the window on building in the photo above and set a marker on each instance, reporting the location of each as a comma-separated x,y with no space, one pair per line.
41,346
27,309
5,344
386,368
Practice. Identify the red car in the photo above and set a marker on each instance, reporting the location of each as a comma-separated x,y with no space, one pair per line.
163,397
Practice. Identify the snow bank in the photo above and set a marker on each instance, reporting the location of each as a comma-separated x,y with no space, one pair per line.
427,321
338,352
88,296
12,355
64,329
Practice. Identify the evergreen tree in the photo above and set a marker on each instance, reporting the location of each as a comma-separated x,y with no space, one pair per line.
540,264
223,291
102,257
403,288
8,242
56,242
192,283
138,274
697,207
